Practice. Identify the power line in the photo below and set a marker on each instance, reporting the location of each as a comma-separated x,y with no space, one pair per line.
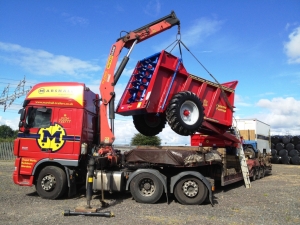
13,79
19,91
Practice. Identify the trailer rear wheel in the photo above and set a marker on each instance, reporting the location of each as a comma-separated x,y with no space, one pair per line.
149,124
51,182
146,188
262,174
185,113
190,191
258,173
254,174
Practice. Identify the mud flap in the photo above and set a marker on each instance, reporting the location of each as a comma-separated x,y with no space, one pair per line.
71,178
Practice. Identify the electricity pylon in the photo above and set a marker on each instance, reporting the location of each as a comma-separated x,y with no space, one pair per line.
19,91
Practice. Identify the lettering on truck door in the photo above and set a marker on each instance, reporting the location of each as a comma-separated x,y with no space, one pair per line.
66,121
33,144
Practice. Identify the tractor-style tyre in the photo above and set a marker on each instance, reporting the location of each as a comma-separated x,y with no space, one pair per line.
190,191
146,188
185,113
149,124
51,182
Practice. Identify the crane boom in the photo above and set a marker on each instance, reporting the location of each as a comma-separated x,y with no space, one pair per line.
110,79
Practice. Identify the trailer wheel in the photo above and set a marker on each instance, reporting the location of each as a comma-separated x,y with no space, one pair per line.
258,173
185,113
190,191
254,174
51,182
149,124
262,173
146,188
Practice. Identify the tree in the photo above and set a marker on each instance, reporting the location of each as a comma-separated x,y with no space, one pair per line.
6,132
139,139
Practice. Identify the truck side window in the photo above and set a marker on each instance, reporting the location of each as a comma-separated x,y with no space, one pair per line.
38,118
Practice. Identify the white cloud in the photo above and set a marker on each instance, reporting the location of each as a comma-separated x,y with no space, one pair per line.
125,130
265,94
13,123
292,47
240,101
201,29
282,114
45,63
152,8
75,20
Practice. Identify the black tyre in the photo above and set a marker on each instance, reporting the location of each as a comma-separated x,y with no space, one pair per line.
258,173
295,160
185,113
146,188
149,124
285,160
254,174
51,182
263,172
190,191
293,153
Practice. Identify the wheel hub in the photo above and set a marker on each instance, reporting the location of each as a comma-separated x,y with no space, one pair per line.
186,112
190,188
48,182
147,187
189,112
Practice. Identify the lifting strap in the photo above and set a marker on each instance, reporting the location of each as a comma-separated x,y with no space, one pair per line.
179,42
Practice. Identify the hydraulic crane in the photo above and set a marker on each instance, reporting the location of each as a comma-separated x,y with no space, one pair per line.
110,77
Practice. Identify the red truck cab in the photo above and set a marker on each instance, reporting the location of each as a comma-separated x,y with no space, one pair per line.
57,128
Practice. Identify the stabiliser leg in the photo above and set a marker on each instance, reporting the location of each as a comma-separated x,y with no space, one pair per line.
88,210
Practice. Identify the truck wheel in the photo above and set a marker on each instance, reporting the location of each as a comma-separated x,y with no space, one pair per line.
185,113
51,182
149,124
190,191
146,188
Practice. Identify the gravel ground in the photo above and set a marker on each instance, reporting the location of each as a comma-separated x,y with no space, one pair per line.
275,199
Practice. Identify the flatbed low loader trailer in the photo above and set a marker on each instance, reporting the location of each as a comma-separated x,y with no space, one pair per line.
65,139
257,164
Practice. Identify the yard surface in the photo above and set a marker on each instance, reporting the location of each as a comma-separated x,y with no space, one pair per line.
275,199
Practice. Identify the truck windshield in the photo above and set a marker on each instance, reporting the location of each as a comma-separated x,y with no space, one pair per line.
38,117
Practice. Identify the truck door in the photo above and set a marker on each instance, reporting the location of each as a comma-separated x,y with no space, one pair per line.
34,141
65,122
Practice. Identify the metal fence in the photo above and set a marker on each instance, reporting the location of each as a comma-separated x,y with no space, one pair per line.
6,151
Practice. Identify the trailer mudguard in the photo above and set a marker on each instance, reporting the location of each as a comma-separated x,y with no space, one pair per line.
156,173
177,177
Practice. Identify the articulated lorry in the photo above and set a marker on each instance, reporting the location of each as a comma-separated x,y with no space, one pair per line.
65,139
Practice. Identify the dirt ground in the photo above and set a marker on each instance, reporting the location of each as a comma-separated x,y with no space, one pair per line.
275,199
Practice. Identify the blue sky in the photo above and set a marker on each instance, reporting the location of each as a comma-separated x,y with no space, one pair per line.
254,42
